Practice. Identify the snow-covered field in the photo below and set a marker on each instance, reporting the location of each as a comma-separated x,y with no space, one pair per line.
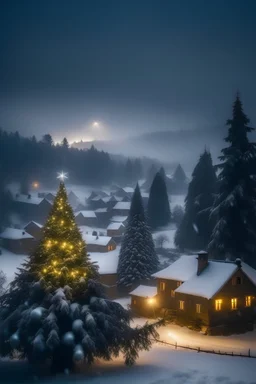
169,234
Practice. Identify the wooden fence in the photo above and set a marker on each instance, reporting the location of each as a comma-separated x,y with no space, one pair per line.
199,349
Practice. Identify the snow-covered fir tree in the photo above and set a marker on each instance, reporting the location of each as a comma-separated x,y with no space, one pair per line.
234,235
138,258
196,225
158,210
56,313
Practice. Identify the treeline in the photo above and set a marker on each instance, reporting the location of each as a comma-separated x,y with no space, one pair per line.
26,160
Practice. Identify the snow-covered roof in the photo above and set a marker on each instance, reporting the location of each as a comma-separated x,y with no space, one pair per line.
107,262
29,200
144,291
86,213
33,222
249,271
210,280
101,210
181,270
144,195
118,219
123,205
115,225
96,240
96,198
128,189
15,234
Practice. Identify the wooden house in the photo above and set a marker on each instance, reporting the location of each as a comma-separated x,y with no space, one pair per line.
99,243
87,218
126,191
220,295
119,219
18,241
116,231
97,203
143,300
103,216
122,208
111,201
34,229
32,208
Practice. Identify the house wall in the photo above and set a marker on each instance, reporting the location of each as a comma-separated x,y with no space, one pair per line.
165,297
229,291
141,306
42,211
101,248
22,246
110,281
34,231
88,221
121,212
189,313
115,232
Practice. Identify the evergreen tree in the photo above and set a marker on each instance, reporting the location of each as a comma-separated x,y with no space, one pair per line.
179,175
137,259
235,232
159,213
61,257
128,172
65,143
150,176
196,226
47,139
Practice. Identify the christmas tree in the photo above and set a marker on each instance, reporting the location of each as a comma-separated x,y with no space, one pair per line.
234,209
60,259
159,213
55,312
137,259
196,226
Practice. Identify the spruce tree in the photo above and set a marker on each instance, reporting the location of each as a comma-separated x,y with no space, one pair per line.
234,209
158,210
61,257
179,181
196,226
137,259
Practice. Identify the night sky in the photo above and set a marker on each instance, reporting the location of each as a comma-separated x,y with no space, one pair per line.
133,65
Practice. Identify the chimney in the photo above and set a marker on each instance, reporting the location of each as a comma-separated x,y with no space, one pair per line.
23,233
238,262
29,196
202,261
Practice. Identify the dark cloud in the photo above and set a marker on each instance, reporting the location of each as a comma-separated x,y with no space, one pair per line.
135,65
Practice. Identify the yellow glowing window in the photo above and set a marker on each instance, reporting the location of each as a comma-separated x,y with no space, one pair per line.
198,308
134,301
234,303
110,248
248,301
218,304
182,305
172,293
162,286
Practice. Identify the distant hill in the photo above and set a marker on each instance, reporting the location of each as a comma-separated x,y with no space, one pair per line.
182,146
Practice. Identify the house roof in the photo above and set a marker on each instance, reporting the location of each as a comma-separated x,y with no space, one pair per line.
29,200
101,210
15,234
123,205
107,263
144,291
96,240
115,225
118,219
86,213
210,280
128,189
35,223
181,270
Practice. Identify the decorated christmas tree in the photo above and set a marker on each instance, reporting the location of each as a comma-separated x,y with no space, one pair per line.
56,312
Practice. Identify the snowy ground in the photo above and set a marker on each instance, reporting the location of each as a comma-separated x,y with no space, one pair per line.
161,365
169,233
177,200
9,263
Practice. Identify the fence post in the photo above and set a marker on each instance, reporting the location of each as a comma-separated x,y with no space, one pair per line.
249,353
198,350
176,345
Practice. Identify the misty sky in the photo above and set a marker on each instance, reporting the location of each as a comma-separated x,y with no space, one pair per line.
134,65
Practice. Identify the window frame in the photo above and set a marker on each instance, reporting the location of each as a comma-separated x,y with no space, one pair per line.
233,302
198,306
173,293
218,305
162,286
248,301
182,305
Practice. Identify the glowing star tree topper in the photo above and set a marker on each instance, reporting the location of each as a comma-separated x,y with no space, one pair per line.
62,176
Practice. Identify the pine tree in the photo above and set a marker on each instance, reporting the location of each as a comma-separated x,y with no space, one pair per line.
196,226
137,259
158,211
235,232
65,143
60,259
150,176
179,180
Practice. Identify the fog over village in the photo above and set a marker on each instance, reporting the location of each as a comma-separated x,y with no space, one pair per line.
128,192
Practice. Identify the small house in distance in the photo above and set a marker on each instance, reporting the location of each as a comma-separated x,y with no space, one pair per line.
122,208
143,300
119,219
31,208
219,295
99,243
115,230
86,218
126,191
97,203
18,241
34,229
103,216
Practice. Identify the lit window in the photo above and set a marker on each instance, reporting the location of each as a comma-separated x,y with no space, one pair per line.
134,301
172,293
179,283
248,301
110,248
218,304
198,308
162,286
182,305
234,303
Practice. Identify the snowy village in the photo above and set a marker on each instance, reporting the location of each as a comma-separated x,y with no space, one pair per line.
127,192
